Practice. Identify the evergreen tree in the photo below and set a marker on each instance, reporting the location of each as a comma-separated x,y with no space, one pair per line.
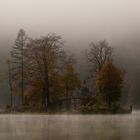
17,59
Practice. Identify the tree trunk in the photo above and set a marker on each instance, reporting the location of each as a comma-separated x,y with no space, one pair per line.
44,106
46,92
22,76
10,85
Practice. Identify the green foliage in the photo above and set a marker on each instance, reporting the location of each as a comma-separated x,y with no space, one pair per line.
94,104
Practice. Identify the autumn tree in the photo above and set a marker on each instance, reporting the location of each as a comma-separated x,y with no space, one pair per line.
57,87
109,82
98,54
17,60
71,81
42,58
34,96
61,86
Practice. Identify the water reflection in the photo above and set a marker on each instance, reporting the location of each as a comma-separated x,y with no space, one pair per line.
70,127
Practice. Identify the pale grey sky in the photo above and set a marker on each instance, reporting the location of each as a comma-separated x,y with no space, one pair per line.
78,21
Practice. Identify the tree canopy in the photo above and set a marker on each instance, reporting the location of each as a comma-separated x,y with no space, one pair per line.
109,82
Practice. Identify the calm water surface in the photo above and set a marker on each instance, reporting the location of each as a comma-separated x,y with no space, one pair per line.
70,127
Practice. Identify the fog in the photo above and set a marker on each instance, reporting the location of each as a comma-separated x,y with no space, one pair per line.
70,127
79,22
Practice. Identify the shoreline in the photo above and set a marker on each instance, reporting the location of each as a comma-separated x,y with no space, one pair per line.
66,113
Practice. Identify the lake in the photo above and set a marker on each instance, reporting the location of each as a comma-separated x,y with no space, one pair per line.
70,127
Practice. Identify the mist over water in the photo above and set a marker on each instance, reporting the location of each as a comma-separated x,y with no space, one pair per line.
70,127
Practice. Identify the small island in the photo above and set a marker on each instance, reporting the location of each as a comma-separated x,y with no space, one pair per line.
45,78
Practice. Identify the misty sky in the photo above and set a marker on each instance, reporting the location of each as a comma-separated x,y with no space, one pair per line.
79,22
